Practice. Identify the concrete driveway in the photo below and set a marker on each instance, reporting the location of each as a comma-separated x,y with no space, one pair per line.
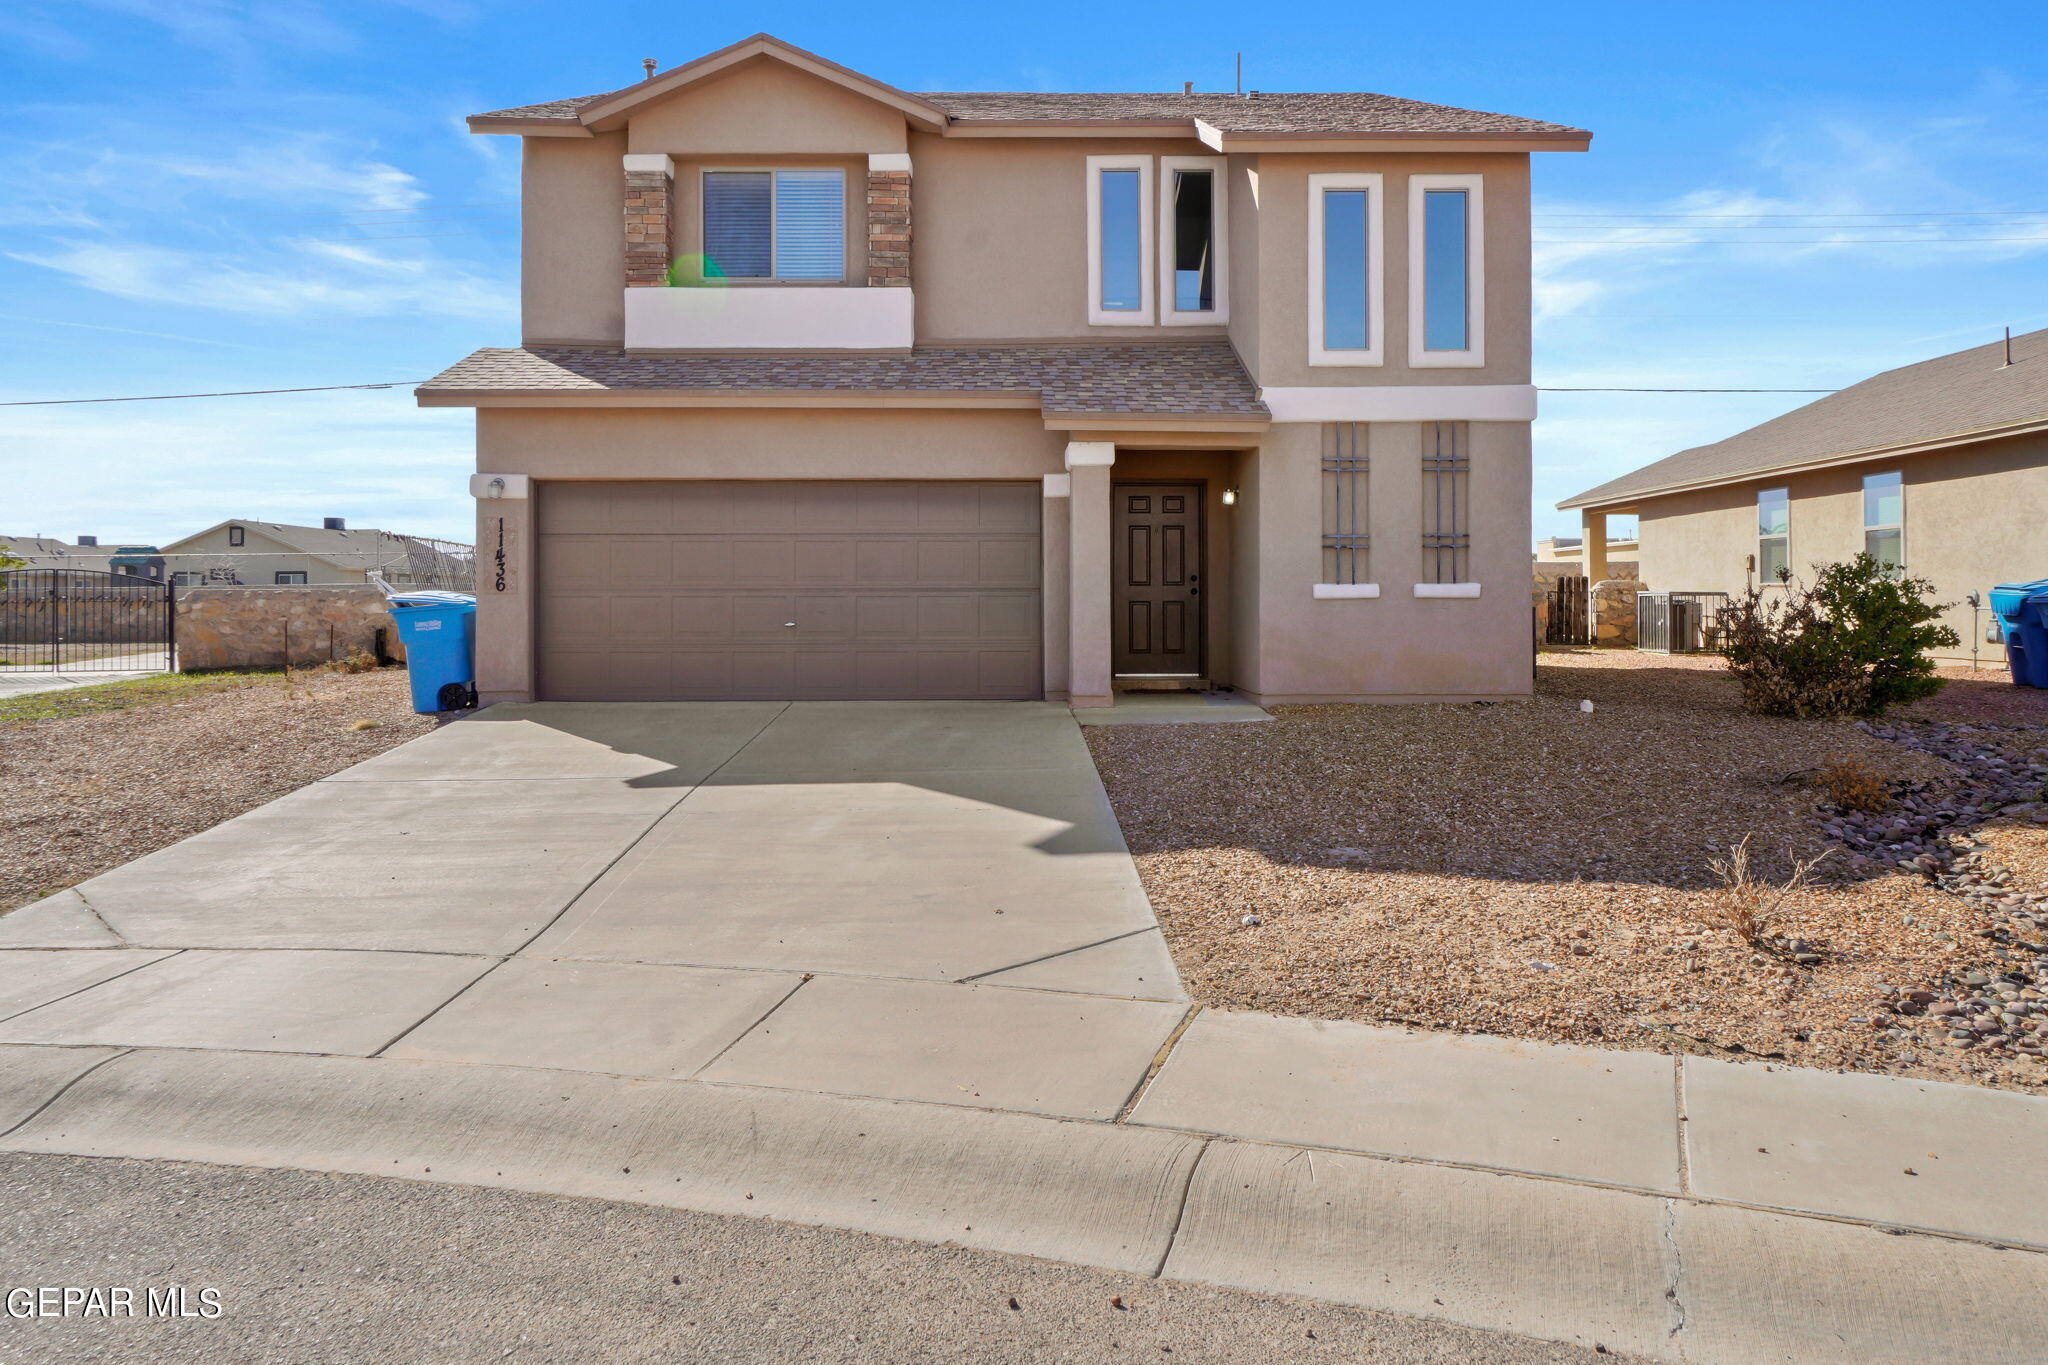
889,968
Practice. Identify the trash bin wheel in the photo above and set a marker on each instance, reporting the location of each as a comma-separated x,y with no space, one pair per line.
456,697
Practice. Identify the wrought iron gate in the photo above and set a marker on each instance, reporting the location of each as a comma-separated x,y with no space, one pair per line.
1567,621
85,621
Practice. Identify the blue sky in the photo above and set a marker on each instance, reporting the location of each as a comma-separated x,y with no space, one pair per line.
240,194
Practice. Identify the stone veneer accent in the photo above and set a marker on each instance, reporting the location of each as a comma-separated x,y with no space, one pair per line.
647,237
261,627
889,228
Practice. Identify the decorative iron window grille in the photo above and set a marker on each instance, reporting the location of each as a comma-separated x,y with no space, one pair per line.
1347,467
1446,500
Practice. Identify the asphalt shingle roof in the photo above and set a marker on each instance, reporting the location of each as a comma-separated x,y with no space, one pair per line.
1163,379
1333,112
1951,395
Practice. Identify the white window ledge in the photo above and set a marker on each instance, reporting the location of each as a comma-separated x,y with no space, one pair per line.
1447,590
769,319
1346,590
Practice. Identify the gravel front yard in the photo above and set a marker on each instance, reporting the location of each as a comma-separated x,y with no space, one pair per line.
1535,870
83,793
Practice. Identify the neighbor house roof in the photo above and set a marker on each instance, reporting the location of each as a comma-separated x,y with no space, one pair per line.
1969,395
1329,114
1201,380
347,549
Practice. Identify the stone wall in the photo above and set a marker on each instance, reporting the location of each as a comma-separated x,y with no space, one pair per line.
262,627
1614,599
888,229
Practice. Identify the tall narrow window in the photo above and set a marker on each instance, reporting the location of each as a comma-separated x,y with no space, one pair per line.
1345,311
775,225
1446,268
1773,535
1446,273
1347,539
1884,518
1119,251
1446,499
1192,243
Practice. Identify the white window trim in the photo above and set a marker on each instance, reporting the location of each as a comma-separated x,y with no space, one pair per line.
1757,506
772,280
1473,356
1899,525
1219,240
1148,243
1447,590
1375,273
1344,590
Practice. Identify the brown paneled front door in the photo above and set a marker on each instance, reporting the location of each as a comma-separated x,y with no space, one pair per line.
1156,575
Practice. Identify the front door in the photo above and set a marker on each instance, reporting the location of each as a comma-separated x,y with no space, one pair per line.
1156,574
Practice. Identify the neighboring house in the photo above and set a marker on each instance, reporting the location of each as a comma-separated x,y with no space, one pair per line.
1571,549
264,554
829,389
1940,466
42,552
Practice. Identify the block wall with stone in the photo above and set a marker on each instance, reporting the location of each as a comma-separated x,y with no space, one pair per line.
263,627
1614,612
1608,607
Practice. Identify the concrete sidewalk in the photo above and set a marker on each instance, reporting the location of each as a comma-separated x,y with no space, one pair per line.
889,968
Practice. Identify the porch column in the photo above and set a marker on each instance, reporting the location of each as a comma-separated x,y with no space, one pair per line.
1088,589
504,597
1593,545
889,220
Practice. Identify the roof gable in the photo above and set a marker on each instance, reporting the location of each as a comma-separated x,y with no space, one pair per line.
1966,395
605,112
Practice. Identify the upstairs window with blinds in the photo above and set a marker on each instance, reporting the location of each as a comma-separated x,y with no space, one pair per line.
775,225
1446,502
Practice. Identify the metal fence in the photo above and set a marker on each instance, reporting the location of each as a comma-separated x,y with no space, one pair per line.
85,621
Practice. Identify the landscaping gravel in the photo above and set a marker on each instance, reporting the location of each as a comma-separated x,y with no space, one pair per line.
82,794
1540,870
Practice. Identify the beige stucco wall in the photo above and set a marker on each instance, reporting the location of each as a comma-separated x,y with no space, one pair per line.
572,264
1396,646
1973,519
765,106
1282,315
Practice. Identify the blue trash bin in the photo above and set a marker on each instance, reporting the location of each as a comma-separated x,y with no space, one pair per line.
438,630
2026,642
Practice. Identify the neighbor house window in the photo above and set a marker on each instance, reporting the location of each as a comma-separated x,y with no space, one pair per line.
234,535
1773,534
1347,470
1345,314
1446,270
775,225
1192,242
286,576
1884,518
1120,240
184,580
1446,502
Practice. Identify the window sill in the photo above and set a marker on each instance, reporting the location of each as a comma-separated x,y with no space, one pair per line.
1345,590
1447,590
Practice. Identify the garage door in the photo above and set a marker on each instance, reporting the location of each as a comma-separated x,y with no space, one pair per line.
697,591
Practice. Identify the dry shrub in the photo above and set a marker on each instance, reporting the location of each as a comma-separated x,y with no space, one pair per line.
1747,904
355,661
1854,785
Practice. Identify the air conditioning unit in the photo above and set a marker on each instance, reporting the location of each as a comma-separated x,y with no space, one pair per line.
1679,622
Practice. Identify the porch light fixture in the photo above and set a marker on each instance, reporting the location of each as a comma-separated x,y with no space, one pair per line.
1230,497
495,488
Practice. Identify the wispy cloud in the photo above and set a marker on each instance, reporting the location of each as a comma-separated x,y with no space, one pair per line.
348,281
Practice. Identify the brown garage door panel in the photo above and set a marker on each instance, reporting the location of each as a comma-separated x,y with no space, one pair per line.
684,590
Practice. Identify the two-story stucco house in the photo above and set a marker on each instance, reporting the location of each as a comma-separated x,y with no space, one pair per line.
832,390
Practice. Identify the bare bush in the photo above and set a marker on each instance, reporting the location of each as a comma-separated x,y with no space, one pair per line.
1749,905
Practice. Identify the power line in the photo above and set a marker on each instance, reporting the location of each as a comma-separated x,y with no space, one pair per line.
1817,241
226,393
409,236
1753,227
1544,388
1925,213
351,213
